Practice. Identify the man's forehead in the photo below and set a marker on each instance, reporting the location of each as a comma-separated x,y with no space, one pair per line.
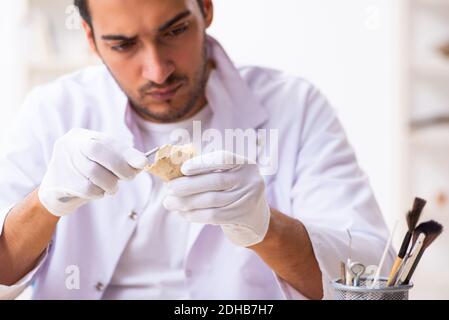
130,16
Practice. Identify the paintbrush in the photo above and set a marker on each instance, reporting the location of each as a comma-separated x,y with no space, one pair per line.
410,260
432,231
412,220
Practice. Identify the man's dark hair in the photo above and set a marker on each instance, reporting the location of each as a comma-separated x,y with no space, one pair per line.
83,7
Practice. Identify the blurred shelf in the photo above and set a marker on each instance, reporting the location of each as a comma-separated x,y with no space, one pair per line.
433,3
436,68
432,136
430,122
425,171
54,48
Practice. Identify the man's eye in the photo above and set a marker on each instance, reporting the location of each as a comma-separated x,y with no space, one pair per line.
123,46
177,32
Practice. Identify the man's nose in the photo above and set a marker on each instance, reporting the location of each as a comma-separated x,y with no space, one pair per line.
157,67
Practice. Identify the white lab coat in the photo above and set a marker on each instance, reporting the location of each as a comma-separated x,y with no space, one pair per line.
318,182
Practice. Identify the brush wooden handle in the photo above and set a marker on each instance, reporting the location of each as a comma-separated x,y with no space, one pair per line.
395,268
412,271
411,258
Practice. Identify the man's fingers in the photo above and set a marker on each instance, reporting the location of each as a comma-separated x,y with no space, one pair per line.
212,162
216,181
98,175
135,158
208,200
83,190
109,158
204,216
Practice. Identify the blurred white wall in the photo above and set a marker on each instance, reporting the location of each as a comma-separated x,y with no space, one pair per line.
12,55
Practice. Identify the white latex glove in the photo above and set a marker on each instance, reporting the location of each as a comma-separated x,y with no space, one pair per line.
85,166
224,189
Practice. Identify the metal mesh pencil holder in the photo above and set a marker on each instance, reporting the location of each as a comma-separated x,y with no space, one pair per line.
380,292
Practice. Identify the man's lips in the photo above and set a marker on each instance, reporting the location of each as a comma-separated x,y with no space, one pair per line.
166,93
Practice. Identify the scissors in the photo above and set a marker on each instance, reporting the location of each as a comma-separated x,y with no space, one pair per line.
357,270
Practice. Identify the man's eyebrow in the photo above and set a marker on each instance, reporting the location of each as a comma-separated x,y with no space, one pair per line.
174,20
165,26
114,37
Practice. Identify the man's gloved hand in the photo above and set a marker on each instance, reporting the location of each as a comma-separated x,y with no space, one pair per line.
85,166
224,189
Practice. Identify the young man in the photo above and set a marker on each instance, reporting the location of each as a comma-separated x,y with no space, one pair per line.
81,220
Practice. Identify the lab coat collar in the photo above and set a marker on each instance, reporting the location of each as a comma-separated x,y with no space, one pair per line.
230,98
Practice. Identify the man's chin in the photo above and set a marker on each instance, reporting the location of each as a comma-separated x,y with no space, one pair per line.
163,112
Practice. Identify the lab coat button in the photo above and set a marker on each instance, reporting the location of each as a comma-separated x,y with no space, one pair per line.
99,286
133,216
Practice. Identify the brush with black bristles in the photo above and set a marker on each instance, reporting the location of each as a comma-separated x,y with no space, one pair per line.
412,220
432,230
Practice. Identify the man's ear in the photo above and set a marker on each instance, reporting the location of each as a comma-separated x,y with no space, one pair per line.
209,12
90,36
